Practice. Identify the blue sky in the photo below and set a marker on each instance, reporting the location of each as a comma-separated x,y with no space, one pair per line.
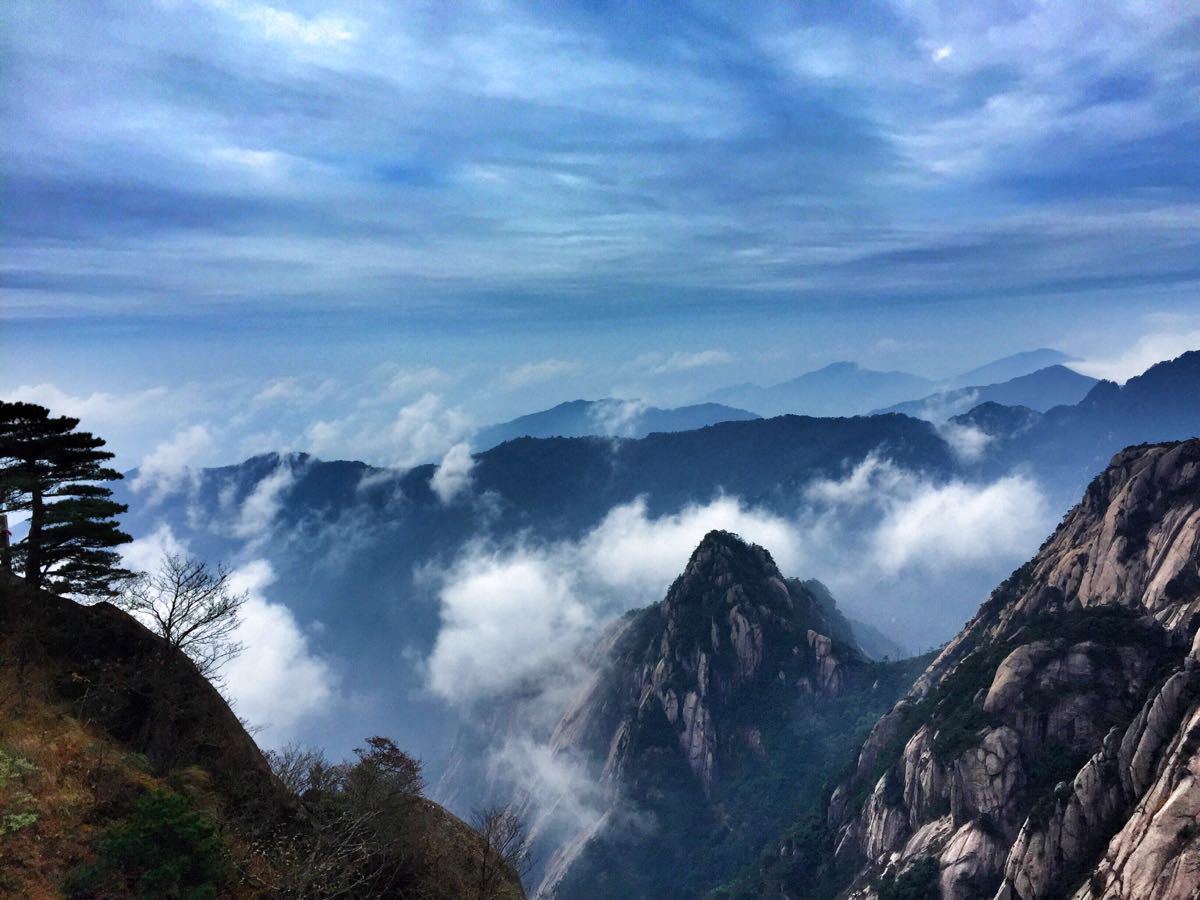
258,220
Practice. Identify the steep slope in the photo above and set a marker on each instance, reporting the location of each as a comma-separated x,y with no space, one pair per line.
1013,366
1040,391
707,710
1050,749
114,757
607,418
839,389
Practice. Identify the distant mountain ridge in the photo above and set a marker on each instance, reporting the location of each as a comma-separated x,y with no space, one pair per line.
1014,366
1041,390
839,389
848,389
1068,445
607,418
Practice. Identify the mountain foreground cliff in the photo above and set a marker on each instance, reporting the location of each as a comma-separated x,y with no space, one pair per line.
1051,749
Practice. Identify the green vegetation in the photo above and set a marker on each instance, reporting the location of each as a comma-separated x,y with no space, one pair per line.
918,882
166,849
16,803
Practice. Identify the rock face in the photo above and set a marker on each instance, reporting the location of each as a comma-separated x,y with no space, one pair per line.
693,696
1051,748
729,627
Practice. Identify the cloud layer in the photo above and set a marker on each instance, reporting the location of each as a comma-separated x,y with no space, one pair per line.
511,156
513,612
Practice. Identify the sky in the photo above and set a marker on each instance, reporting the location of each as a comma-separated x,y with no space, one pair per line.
363,229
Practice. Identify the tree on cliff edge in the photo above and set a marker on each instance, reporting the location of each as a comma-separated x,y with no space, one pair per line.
50,470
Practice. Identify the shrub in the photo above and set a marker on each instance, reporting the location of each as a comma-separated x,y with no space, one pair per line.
16,803
166,849
918,882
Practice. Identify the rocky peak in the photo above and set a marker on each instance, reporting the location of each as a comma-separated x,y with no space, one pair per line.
694,692
674,675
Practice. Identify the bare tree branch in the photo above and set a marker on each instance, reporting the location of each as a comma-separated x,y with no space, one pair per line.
191,607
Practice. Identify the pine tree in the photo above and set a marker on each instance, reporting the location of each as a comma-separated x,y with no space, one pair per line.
46,467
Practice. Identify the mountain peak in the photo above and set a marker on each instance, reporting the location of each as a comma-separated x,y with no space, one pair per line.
723,571
723,549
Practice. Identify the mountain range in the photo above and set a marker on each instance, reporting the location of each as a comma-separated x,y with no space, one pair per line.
1040,390
739,738
839,389
1035,378
1010,367
847,389
615,418
348,543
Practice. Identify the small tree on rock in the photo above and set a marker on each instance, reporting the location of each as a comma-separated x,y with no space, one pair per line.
193,608
507,848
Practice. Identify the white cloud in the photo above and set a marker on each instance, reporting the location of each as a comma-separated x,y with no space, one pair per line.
538,372
630,554
940,526
616,418
453,474
1148,350
404,382
968,442
508,614
685,362
563,791
419,432
277,681
168,467
663,364
97,409
504,616
288,28
145,553
512,613
940,407
294,392
892,520
258,511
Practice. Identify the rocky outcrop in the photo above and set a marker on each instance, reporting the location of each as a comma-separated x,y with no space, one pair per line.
1051,749
689,699
730,627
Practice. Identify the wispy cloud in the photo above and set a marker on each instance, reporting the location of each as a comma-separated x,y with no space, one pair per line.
686,362
533,373
509,157
453,474
1145,352
170,465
